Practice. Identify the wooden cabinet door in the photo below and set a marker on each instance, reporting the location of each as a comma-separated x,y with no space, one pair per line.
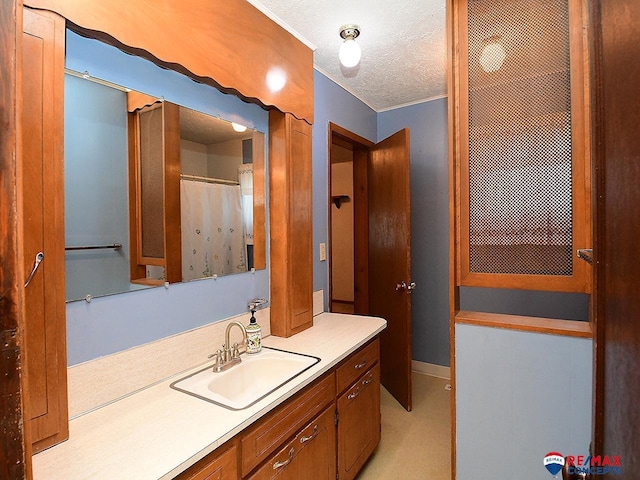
41,204
154,192
290,213
358,423
223,466
311,454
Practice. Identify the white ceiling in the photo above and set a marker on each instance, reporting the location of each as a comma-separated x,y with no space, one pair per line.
403,45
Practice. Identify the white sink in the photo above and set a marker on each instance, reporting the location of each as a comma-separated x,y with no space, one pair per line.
247,382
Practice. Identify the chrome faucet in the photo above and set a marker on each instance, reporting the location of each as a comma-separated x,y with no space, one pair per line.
227,342
229,355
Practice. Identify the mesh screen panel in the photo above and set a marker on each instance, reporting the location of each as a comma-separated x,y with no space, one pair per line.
520,189
152,183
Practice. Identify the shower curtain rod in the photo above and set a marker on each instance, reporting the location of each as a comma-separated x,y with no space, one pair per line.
197,178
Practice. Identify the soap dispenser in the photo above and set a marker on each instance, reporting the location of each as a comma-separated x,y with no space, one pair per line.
254,331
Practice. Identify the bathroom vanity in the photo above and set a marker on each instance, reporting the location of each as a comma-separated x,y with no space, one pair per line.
326,419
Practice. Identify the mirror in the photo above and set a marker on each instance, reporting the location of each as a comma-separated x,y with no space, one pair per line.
216,174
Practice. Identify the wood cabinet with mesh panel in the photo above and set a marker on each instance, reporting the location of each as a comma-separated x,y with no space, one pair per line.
520,144
154,192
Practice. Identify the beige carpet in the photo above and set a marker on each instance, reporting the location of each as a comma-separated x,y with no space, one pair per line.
416,444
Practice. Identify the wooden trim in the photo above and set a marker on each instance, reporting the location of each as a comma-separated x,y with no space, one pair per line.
453,77
598,310
171,203
136,269
361,231
360,146
230,45
336,131
550,326
259,203
15,446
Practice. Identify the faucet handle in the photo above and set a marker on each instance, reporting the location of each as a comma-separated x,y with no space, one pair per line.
235,353
218,362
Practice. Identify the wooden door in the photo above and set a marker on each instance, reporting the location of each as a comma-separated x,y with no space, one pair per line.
617,274
43,225
390,260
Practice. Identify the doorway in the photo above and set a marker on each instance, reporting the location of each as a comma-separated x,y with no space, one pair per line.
370,248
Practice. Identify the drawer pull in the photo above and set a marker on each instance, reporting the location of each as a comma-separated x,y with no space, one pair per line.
361,365
353,395
368,380
278,465
310,437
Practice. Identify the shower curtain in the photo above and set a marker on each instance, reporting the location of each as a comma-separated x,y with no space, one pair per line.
245,177
212,230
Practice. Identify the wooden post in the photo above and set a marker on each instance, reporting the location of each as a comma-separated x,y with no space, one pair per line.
15,455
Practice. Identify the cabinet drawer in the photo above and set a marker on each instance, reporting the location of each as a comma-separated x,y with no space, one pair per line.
357,364
260,440
311,454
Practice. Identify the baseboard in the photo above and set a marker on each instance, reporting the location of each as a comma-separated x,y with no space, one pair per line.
431,369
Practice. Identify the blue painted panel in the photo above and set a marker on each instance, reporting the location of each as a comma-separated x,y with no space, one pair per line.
519,395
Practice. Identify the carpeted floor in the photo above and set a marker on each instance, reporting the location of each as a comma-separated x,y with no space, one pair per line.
414,445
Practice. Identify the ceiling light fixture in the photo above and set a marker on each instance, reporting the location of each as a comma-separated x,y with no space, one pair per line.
493,54
238,128
349,50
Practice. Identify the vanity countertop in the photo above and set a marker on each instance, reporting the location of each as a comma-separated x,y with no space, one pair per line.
159,432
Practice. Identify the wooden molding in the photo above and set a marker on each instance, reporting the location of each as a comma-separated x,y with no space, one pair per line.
550,326
15,446
230,45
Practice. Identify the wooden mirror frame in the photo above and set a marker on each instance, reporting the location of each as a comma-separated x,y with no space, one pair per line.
256,60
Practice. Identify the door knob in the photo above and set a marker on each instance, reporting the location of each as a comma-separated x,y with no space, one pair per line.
404,286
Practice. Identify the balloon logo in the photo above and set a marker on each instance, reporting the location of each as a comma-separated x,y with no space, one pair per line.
553,462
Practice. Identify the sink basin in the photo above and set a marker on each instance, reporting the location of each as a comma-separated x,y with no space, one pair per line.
246,383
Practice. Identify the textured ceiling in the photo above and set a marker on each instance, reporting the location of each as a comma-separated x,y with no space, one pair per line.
403,45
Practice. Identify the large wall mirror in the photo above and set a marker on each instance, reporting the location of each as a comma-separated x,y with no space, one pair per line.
116,221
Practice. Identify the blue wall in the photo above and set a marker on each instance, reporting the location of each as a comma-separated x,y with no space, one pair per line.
95,176
117,322
332,104
427,123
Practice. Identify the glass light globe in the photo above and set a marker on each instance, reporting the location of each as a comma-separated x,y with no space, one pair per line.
349,53
492,57
238,128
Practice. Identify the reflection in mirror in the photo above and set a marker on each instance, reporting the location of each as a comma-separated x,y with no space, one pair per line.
108,202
